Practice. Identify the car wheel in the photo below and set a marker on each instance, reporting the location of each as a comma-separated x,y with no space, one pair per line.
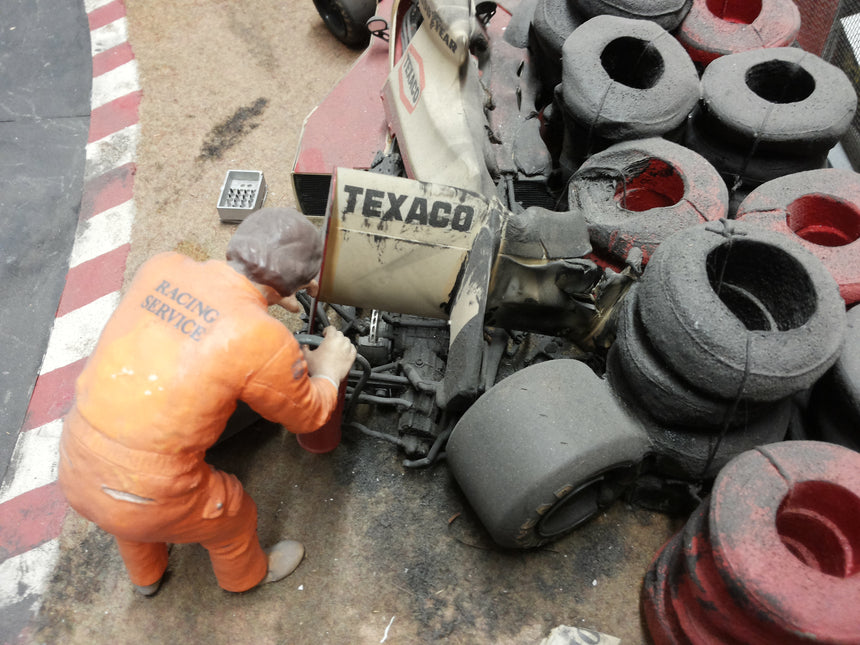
742,311
347,19
543,451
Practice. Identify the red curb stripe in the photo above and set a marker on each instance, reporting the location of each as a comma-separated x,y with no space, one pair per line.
31,519
112,58
106,14
93,279
114,116
52,395
109,189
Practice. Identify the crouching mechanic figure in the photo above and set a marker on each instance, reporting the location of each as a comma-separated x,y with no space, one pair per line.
186,342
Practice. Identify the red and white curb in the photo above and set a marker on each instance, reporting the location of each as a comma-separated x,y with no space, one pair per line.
32,508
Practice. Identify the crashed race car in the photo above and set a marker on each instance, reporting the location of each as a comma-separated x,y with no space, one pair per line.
518,287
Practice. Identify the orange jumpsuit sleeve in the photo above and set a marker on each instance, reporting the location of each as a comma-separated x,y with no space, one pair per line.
282,391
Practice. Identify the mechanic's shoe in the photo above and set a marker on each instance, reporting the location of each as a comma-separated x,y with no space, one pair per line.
148,590
284,557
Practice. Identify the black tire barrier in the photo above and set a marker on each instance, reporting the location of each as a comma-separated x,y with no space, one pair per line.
743,167
347,19
543,451
626,79
690,452
666,13
821,210
771,556
833,412
661,393
742,312
552,23
715,28
635,194
782,100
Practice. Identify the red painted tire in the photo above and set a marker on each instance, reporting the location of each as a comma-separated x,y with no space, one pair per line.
626,79
715,28
636,194
666,13
793,539
821,210
773,556
782,100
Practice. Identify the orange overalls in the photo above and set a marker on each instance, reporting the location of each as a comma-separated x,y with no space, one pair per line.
185,343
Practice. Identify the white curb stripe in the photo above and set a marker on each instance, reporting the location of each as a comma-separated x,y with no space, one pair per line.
114,84
92,5
111,152
102,233
107,37
75,334
34,460
24,577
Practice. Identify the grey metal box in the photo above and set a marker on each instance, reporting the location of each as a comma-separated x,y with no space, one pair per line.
243,192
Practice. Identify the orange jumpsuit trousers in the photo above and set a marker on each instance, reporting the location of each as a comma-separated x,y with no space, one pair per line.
186,343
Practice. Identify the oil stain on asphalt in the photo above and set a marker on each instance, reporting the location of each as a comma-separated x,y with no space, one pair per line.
230,132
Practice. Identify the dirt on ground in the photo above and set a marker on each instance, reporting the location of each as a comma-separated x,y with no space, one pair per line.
394,555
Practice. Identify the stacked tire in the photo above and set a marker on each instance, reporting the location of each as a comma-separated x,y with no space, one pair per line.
772,556
728,321
555,20
715,28
821,210
622,79
833,411
768,113
636,194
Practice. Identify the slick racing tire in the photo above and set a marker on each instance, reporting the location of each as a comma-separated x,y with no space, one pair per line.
782,100
715,28
742,312
666,13
347,19
664,396
821,210
543,451
627,79
638,193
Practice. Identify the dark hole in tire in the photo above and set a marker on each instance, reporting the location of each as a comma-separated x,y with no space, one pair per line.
819,523
780,81
581,504
762,285
657,186
823,220
633,62
739,11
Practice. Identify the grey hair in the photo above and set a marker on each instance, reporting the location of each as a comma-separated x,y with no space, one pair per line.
277,247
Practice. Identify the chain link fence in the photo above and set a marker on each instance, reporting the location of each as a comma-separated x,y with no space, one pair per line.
831,29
